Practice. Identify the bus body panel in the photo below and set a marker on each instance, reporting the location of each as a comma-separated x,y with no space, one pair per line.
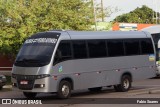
105,71
90,72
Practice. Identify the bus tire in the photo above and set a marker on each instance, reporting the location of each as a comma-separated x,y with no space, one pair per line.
97,89
29,95
64,90
125,84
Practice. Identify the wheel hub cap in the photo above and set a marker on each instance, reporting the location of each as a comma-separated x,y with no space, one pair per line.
126,84
65,90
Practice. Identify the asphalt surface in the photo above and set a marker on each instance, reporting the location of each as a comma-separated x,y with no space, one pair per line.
146,89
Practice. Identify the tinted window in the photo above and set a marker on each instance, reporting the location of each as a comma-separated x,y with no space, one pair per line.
63,52
34,56
147,46
132,47
97,48
156,38
115,47
79,49
37,50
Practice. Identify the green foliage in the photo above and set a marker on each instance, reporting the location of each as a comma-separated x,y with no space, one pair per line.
21,18
139,15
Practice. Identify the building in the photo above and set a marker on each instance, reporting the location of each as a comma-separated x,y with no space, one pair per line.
5,65
102,26
129,26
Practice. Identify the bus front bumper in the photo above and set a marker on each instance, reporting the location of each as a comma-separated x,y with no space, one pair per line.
38,85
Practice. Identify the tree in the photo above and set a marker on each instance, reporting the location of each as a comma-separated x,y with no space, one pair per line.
21,18
102,11
107,12
139,15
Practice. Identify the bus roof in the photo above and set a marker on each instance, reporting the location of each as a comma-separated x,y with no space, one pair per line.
106,34
152,29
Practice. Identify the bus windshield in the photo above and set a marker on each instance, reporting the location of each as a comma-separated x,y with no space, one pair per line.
36,51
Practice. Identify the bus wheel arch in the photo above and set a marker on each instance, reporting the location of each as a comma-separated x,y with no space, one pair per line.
129,74
64,88
125,83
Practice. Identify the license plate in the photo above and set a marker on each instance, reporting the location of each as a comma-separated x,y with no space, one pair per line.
24,82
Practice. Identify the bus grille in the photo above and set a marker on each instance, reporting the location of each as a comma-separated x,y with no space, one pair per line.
29,79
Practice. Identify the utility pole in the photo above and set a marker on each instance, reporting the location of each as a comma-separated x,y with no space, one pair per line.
94,11
153,16
156,13
102,10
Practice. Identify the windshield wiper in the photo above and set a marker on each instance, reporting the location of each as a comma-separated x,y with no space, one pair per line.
28,60
19,61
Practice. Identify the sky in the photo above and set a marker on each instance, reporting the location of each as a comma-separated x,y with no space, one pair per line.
126,6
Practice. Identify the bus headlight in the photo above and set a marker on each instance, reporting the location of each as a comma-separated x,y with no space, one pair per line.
42,76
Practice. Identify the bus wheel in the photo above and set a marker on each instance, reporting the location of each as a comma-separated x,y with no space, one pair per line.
95,89
29,94
64,90
125,84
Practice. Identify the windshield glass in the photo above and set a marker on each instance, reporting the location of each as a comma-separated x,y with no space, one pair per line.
37,50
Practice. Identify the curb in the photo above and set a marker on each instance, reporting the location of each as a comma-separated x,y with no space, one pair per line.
145,91
154,91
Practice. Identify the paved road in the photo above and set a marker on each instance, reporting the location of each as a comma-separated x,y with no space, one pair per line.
143,89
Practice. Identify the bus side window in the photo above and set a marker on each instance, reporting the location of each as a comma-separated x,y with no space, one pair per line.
97,48
63,52
115,48
147,46
132,47
79,49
